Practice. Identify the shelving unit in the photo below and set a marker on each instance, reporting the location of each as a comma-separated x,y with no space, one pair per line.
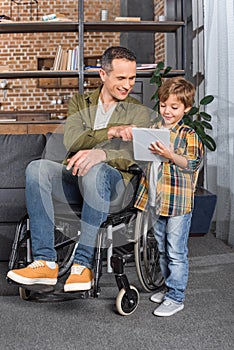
81,27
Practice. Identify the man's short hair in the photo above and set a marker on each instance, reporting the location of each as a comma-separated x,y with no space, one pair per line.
115,52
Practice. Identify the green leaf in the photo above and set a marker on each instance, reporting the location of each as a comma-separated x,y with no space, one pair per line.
207,125
206,100
155,96
210,143
167,70
187,120
205,116
160,65
199,130
193,111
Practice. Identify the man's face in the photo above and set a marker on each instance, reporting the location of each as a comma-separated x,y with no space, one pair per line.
119,82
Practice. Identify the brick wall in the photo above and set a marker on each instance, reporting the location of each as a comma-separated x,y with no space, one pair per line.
21,51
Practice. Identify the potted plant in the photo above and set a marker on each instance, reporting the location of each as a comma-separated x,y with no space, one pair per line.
204,201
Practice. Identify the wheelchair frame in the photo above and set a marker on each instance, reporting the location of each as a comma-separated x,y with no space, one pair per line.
138,228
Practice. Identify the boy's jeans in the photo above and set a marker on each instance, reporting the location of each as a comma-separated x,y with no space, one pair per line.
171,234
47,180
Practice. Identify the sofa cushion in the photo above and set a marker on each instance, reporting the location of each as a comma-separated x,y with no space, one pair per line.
7,234
12,204
16,152
55,149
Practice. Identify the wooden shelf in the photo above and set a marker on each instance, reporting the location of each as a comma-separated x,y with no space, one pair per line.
64,74
38,27
38,74
32,127
124,26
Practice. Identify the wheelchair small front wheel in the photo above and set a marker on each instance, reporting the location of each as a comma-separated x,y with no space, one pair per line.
127,305
24,293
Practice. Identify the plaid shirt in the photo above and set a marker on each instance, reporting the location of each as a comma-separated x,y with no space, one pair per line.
175,186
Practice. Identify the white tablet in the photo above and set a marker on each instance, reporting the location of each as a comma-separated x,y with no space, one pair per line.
143,137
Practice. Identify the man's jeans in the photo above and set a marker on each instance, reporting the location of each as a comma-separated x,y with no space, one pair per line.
47,180
171,234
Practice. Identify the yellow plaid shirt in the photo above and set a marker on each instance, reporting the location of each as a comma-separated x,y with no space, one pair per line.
175,186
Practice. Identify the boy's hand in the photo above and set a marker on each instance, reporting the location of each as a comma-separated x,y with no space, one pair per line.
158,148
83,161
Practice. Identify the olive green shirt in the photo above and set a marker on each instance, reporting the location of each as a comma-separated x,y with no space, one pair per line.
79,131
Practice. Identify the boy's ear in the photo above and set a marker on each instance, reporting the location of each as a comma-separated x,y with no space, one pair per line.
187,109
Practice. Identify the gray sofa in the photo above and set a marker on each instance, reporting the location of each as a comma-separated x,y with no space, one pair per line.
16,152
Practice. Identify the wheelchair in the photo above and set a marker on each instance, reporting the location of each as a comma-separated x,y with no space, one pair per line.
128,224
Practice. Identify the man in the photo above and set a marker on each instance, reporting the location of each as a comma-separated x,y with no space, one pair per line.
97,136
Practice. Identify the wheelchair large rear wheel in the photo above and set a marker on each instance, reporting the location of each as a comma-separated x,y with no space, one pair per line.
21,248
146,254
21,254
65,249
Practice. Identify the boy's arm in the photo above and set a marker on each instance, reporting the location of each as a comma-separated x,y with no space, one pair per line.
190,160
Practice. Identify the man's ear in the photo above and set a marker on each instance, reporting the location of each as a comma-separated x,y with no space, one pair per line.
102,74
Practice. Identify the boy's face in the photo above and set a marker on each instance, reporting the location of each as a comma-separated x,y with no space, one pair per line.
172,111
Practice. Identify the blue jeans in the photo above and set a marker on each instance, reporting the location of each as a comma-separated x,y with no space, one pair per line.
47,180
172,234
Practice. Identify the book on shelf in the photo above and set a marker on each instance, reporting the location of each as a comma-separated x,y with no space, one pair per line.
69,58
146,66
6,120
57,58
75,58
66,59
92,68
63,63
127,19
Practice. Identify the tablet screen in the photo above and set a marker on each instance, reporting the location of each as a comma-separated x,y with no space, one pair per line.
143,137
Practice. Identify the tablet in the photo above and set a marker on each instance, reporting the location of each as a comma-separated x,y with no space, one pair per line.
143,137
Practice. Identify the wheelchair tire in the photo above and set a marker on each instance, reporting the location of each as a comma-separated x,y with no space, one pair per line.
146,254
125,306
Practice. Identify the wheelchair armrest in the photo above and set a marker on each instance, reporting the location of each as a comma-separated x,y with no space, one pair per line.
134,169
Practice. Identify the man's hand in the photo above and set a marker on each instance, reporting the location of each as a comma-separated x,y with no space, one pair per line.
83,161
121,131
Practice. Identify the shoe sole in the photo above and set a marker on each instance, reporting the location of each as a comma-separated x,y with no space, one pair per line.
77,287
30,281
166,314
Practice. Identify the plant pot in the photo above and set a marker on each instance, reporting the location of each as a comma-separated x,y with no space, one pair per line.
204,207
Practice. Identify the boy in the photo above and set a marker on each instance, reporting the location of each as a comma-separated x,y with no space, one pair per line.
170,192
